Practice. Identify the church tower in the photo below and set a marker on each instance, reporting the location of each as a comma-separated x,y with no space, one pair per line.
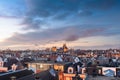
65,49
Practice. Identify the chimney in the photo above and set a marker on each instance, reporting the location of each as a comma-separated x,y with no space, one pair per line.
37,77
13,78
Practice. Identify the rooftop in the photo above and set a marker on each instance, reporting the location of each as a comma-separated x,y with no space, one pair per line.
49,62
103,78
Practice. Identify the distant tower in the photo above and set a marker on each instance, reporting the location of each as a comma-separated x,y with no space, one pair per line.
65,49
53,49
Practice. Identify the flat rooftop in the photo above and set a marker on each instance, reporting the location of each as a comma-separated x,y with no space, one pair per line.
49,62
102,78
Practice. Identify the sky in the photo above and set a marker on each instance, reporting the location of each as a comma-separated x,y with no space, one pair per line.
40,24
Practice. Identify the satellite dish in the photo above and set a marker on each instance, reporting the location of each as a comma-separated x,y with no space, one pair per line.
76,60
59,59
52,72
17,59
5,60
33,69
1,59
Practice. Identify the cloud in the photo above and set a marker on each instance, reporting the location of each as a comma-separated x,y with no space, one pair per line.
69,34
72,33
86,33
46,10
6,16
113,46
12,9
31,23
101,4
51,10
85,13
62,15
64,20
72,38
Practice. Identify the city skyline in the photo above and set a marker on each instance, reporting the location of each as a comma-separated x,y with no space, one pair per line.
84,24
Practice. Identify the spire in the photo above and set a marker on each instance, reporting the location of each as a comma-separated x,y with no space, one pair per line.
65,49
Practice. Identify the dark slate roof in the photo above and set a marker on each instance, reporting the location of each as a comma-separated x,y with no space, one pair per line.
18,74
29,77
46,76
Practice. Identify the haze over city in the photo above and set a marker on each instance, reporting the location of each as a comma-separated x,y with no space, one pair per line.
37,24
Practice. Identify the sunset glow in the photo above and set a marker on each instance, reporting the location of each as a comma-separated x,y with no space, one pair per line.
41,24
